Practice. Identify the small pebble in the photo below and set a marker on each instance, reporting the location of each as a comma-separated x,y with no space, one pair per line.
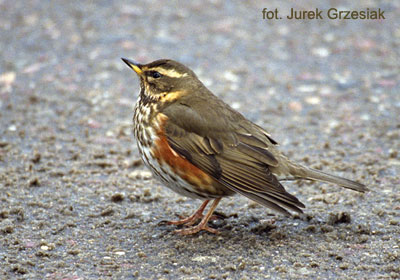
44,248
117,197
338,218
321,52
313,100
140,174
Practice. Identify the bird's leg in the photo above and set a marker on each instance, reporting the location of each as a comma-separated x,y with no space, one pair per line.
203,224
193,218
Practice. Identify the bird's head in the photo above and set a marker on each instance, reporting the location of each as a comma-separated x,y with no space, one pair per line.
164,79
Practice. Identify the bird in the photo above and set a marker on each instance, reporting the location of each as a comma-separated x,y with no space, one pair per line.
200,147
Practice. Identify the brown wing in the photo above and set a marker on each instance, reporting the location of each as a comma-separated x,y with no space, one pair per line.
230,153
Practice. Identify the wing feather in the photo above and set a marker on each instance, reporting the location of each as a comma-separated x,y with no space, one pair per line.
236,158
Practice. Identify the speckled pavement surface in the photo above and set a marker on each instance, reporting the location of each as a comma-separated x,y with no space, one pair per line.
75,200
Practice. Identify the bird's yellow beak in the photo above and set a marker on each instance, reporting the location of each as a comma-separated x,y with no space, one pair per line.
134,65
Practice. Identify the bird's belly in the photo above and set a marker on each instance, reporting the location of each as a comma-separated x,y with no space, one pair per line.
171,178
174,171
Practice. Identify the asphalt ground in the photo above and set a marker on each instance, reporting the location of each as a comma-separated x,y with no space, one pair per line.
77,203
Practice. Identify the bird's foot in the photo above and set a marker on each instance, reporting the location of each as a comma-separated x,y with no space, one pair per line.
203,224
196,229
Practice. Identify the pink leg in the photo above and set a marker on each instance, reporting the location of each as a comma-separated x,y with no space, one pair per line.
203,224
193,218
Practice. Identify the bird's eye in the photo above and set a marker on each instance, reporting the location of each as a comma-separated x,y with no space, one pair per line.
156,75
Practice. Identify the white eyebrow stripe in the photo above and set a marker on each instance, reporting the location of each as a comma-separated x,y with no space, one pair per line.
169,72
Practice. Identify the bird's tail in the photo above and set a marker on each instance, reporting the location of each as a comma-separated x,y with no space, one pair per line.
313,174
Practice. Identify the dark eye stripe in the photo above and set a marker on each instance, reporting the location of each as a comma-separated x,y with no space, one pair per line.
154,74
